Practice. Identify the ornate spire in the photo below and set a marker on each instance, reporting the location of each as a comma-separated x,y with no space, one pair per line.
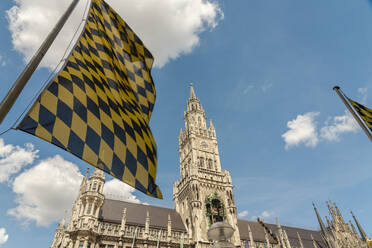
83,185
288,244
252,244
62,223
169,227
268,245
362,233
328,221
280,231
85,179
314,243
192,92
147,223
339,214
322,226
123,221
300,240
353,228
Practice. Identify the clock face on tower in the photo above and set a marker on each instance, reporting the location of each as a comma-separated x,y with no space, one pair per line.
204,144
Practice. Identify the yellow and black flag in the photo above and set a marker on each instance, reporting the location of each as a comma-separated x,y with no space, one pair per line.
364,113
361,113
99,105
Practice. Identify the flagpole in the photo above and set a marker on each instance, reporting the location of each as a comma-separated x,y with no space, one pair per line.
356,117
22,80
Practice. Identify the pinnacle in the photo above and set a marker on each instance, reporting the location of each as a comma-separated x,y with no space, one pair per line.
192,92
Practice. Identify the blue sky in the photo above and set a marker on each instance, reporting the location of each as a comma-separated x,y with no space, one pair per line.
264,72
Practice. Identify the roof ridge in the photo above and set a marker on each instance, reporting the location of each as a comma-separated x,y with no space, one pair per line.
294,227
140,204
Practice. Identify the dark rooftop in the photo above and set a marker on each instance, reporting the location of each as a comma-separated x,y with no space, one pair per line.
112,211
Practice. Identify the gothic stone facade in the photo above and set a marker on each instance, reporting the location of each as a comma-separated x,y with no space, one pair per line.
203,195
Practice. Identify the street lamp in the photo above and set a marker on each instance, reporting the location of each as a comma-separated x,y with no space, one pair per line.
221,232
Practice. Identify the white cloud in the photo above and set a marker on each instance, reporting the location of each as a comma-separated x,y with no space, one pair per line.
302,130
248,89
117,190
265,215
3,236
13,158
46,191
2,61
266,87
340,124
243,214
363,92
169,28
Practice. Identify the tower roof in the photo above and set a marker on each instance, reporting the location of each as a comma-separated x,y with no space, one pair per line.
192,92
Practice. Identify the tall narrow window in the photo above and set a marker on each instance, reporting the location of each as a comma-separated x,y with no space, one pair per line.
89,208
94,186
94,210
210,164
81,244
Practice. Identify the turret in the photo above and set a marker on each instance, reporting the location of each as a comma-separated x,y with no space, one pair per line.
91,200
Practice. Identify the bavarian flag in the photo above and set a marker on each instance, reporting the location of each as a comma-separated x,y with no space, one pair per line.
99,105
364,113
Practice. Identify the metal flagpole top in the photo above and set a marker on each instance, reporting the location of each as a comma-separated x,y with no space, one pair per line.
352,111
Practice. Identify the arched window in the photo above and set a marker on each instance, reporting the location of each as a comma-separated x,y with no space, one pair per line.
201,162
89,208
94,186
210,164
